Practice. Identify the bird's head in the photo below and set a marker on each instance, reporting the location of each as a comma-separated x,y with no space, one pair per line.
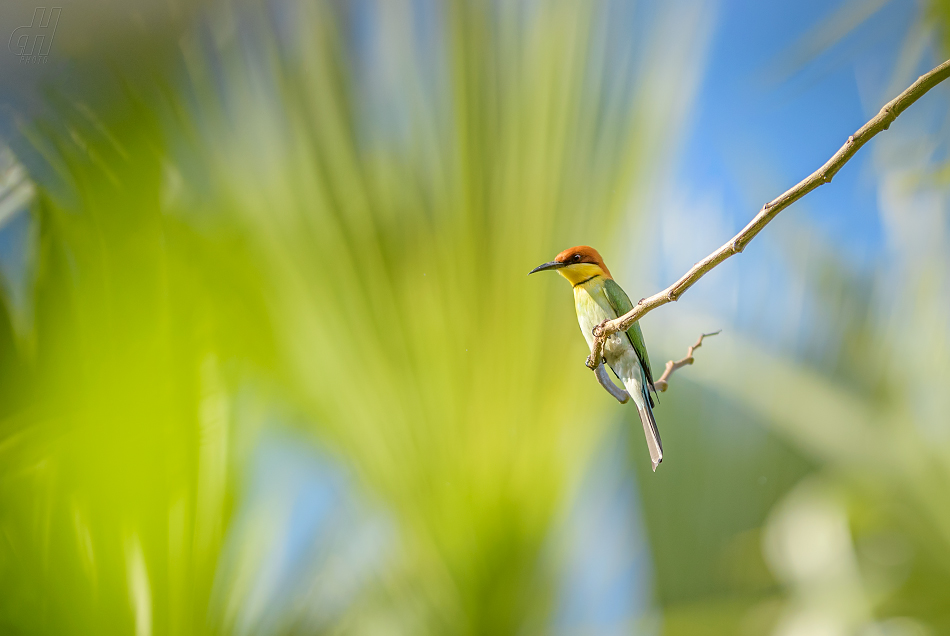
577,264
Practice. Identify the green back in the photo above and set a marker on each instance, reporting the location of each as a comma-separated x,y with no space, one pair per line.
621,304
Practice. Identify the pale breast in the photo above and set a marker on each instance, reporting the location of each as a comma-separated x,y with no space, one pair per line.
592,309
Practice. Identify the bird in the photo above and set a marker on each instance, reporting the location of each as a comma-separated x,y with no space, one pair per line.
597,297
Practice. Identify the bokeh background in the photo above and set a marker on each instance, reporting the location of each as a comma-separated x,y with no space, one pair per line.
270,363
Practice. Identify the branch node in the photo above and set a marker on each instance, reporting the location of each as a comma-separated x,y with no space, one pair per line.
598,330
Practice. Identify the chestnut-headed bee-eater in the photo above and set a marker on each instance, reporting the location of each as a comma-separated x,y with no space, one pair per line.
598,298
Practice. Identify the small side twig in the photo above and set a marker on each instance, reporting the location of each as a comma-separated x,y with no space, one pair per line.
663,382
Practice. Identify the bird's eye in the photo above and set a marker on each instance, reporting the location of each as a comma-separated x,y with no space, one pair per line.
577,258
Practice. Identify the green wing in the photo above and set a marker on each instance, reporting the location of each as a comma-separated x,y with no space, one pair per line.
621,304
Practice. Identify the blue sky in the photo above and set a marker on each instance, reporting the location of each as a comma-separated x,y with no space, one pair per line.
783,86
759,128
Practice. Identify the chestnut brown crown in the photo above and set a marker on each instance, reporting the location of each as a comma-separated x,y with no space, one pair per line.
582,254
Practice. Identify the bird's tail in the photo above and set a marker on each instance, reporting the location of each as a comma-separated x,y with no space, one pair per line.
652,434
639,391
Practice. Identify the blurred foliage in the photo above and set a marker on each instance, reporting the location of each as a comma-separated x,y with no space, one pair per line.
280,207
116,444
937,15
862,545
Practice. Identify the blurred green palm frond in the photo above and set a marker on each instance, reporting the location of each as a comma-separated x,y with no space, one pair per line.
341,200
864,542
872,409
859,400
395,222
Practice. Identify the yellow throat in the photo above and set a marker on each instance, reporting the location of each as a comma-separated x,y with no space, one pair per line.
581,272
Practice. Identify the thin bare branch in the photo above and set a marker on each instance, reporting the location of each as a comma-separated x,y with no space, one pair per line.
663,382
769,211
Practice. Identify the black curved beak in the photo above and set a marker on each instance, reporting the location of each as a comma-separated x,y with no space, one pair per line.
551,265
